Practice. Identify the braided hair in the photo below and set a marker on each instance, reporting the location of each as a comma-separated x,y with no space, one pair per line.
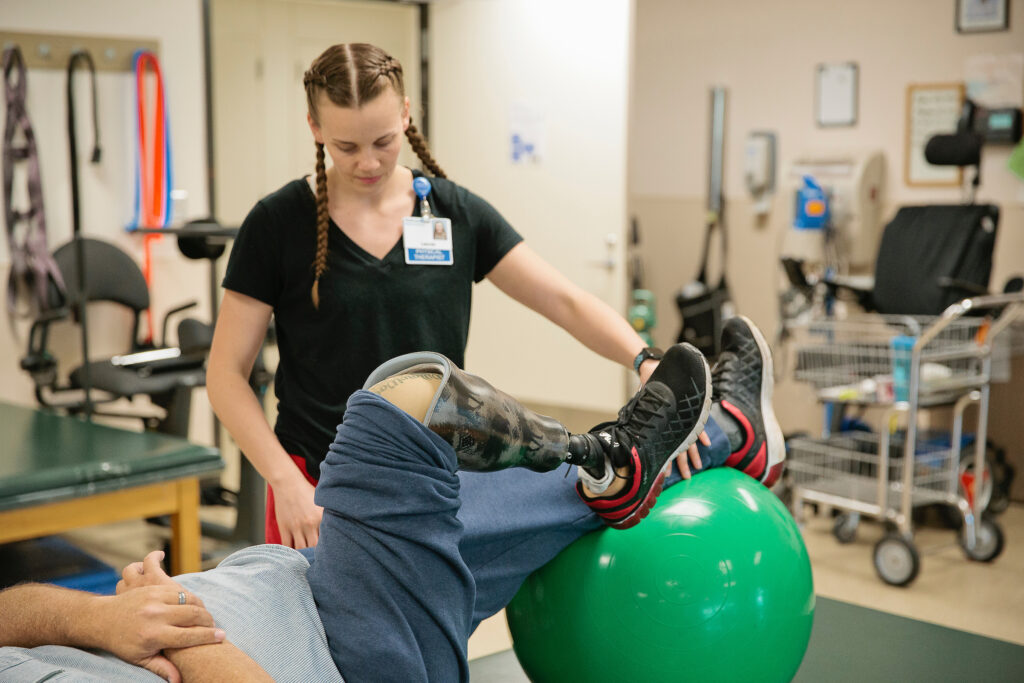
351,74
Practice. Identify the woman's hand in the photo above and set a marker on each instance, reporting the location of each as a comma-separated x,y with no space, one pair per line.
298,517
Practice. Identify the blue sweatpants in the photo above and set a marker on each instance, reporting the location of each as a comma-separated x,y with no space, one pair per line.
413,554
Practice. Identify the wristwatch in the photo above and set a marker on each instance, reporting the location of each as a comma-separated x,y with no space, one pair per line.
647,353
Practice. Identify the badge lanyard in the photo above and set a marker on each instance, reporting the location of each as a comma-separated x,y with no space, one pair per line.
427,239
152,163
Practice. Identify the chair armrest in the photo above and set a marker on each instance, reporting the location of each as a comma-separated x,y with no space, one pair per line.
862,289
38,361
167,318
970,287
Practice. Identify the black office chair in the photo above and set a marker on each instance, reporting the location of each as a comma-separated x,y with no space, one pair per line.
932,256
167,375
929,258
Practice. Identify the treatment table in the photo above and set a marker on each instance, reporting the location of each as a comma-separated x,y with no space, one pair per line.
59,473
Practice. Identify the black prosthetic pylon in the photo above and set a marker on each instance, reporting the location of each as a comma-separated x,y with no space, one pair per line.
488,429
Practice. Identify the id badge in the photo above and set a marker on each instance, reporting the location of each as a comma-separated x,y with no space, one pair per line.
427,241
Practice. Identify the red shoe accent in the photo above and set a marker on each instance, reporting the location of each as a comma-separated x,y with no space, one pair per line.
773,474
756,468
736,457
643,508
618,514
612,502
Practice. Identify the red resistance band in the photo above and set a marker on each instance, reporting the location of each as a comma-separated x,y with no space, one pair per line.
152,209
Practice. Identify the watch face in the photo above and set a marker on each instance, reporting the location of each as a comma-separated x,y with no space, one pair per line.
649,353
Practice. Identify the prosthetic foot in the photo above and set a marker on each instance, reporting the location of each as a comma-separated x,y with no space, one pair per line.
661,421
488,429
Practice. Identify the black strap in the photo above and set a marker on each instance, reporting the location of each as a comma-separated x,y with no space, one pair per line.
713,225
86,58
32,266
83,297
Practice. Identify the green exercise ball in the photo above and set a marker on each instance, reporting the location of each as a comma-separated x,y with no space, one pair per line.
714,585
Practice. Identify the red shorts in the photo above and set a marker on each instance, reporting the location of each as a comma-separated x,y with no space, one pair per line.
273,534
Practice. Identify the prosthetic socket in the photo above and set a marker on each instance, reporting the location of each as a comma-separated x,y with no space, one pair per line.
488,429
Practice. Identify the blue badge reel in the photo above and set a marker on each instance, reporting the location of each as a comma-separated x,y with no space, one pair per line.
427,239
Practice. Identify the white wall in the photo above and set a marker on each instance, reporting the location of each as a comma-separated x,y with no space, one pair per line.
569,61
106,189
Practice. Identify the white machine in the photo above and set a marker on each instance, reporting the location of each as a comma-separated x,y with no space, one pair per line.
759,170
853,182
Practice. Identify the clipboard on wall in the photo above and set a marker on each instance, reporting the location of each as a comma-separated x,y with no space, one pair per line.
932,108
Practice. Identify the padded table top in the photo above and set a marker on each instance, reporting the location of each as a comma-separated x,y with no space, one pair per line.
45,457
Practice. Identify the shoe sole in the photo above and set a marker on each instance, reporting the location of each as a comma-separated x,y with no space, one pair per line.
773,432
652,495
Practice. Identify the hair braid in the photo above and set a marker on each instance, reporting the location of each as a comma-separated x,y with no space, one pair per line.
322,220
419,145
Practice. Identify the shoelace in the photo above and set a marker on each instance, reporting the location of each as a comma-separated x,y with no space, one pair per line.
635,415
723,374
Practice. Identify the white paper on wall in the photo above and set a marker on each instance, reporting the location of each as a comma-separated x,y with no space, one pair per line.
995,80
525,133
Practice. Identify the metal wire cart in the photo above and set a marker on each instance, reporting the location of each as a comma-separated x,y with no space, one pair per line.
905,365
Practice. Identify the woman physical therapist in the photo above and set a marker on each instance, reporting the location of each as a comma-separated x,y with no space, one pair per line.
342,261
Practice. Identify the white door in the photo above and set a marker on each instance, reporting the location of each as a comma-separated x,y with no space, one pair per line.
561,69
261,49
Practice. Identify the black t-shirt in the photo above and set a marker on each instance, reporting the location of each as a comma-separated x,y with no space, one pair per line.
371,309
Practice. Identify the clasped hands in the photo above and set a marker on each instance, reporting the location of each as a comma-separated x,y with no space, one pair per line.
144,618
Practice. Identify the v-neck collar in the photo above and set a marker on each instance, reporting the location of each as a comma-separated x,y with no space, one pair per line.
363,254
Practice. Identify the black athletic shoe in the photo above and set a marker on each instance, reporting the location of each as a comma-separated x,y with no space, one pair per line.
662,420
743,385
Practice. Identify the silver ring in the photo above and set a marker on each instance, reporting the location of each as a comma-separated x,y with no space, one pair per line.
181,598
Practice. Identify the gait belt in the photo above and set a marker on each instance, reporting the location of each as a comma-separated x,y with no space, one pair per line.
32,265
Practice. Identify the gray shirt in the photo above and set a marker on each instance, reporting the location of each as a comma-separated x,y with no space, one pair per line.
258,595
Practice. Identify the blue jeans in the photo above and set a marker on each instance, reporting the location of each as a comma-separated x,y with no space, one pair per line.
413,554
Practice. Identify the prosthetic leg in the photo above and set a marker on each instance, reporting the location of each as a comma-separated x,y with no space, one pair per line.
488,429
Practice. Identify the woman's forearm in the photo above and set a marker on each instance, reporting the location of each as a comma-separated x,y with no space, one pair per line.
241,413
597,326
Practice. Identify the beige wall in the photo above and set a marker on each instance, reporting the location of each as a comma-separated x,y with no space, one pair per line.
107,189
765,54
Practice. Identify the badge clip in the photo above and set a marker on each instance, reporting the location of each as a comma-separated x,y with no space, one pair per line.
421,186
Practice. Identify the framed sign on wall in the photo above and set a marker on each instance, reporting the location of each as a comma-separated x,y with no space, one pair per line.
836,95
982,16
932,109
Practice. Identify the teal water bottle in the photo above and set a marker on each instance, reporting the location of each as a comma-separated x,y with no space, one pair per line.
902,347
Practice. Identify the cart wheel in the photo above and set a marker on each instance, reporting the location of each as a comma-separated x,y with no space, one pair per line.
845,527
896,560
988,541
966,480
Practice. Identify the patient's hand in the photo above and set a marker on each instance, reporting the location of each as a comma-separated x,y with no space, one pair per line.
693,455
145,617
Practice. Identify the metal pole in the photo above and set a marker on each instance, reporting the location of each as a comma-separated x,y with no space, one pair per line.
717,153
211,199
424,15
